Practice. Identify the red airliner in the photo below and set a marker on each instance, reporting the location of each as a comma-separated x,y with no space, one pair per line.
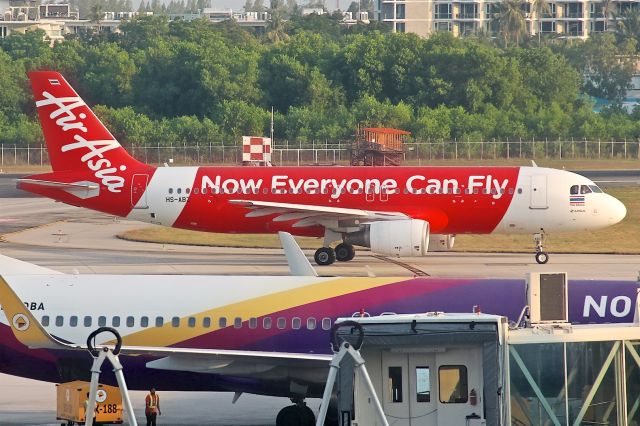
399,211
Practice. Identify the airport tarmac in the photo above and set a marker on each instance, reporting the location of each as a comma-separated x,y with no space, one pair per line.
72,240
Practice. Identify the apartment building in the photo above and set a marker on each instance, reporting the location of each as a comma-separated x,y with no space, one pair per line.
566,18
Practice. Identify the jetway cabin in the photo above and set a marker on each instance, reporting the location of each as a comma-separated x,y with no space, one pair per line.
477,369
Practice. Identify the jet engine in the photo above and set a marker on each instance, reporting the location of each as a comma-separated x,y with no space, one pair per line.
402,238
441,242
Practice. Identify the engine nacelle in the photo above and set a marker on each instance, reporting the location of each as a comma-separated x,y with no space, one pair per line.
402,238
441,242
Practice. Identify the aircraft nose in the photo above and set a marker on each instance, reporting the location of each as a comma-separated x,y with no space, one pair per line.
617,210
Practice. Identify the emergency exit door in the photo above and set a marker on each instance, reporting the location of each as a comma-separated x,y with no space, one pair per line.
538,192
139,191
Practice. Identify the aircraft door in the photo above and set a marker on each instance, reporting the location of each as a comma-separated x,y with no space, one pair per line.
384,193
139,191
538,192
460,384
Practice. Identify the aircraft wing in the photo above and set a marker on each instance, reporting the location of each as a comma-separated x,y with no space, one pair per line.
28,330
311,215
11,266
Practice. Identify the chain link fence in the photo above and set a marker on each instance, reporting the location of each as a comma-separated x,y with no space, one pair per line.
330,153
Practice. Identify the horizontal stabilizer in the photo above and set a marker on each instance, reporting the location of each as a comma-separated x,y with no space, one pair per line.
83,189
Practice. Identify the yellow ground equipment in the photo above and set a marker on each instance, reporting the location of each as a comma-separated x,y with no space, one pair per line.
71,404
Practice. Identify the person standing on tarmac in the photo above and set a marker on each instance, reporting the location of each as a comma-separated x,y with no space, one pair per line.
152,407
297,414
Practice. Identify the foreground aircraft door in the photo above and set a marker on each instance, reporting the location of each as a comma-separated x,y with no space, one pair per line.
139,191
539,192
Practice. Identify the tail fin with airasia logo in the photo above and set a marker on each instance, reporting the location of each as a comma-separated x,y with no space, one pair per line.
75,137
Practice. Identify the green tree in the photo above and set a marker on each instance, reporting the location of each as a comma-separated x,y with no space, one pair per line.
541,8
510,17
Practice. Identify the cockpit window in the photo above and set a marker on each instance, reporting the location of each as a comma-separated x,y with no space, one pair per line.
584,189
595,189
575,189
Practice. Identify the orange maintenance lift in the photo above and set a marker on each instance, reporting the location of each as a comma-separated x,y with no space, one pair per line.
378,146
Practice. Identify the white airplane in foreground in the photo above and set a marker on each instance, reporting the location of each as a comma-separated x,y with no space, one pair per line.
398,211
257,334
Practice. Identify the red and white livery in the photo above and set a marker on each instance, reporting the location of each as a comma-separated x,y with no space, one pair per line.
400,211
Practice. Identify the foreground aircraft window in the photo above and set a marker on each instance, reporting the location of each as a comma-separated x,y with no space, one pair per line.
575,189
266,323
584,189
159,321
296,323
115,322
423,384
311,323
59,321
206,322
253,322
326,323
222,322
88,321
73,321
130,321
595,189
144,322
282,323
175,322
45,321
395,384
237,322
453,384
191,322
102,321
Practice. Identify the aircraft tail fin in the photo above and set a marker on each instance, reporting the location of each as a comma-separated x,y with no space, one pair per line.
75,137
24,325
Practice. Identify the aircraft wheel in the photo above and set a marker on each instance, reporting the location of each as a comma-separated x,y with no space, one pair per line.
325,256
542,257
345,252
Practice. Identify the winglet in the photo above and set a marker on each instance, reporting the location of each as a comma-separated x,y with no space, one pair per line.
533,164
298,263
24,325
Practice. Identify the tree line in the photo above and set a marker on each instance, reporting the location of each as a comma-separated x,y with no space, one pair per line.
193,82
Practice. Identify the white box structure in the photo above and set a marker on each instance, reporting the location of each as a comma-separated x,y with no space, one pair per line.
547,297
256,149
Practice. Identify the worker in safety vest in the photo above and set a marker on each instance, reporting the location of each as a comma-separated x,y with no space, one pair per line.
152,407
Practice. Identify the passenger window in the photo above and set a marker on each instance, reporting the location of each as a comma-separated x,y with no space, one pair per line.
175,322
584,189
326,323
222,322
296,323
423,384
519,190
102,321
253,323
130,321
187,191
87,321
395,384
453,384
115,322
237,322
311,323
204,191
196,191
511,191
179,190
282,323
206,322
73,321
59,321
574,190
266,323
191,322
144,322
170,190
45,321
159,321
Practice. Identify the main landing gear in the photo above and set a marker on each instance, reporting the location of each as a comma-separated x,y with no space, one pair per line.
326,255
541,256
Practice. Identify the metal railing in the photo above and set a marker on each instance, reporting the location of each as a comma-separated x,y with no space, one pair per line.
338,152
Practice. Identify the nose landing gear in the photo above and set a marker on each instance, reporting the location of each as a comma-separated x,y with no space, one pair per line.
541,256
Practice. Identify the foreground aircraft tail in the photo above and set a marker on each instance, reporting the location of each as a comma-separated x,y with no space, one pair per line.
76,139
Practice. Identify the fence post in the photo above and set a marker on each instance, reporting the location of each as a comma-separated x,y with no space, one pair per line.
533,148
2,154
585,147
625,148
599,147
573,148
611,148
15,154
520,147
41,154
560,148
455,141
481,149
546,148
495,144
